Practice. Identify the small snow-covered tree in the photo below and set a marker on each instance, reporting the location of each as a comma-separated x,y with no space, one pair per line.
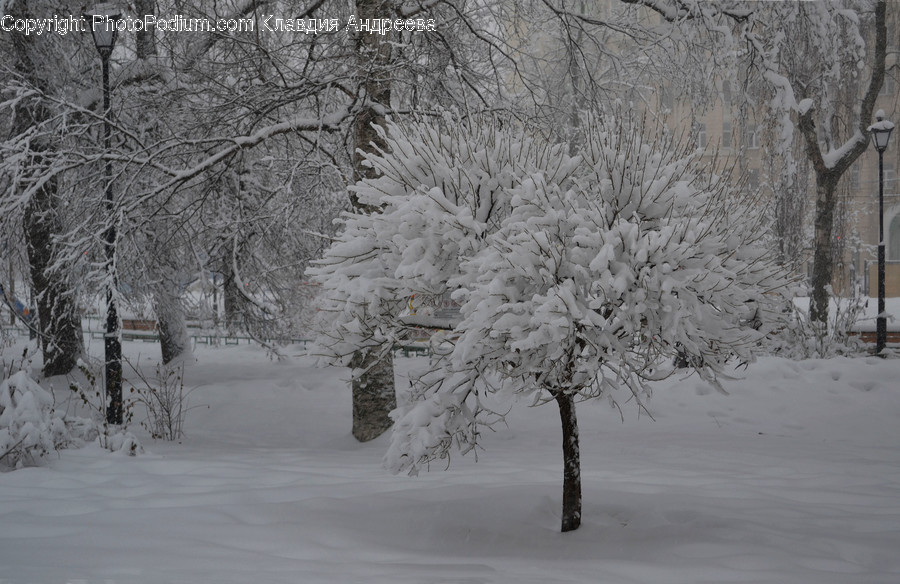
579,276
33,195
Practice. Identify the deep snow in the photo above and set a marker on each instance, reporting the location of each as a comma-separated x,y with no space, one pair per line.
794,477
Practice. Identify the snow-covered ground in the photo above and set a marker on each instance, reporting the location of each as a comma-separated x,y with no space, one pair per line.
794,477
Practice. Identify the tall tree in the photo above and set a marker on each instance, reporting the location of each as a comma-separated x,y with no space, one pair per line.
832,153
166,272
57,300
373,390
806,54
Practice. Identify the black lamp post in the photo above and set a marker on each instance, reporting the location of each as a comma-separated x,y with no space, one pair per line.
881,134
103,28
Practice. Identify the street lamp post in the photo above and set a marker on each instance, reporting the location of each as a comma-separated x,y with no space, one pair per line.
881,134
103,28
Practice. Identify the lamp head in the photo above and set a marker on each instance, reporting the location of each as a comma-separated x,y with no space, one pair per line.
102,21
881,131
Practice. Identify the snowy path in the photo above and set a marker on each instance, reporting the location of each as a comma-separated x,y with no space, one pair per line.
792,478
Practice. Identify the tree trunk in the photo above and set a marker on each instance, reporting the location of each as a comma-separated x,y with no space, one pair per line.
165,271
145,41
231,297
823,260
11,295
173,337
58,316
373,391
60,323
571,504
828,175
373,396
374,56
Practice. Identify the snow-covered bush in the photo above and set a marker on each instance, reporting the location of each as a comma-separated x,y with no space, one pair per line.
32,427
804,338
29,426
579,276
85,389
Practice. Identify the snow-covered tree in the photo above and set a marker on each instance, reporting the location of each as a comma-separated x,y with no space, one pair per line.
822,65
373,391
35,197
579,276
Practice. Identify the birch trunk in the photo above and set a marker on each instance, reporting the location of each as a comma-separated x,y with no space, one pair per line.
373,391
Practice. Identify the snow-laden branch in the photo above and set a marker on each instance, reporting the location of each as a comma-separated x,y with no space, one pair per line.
838,159
680,10
229,146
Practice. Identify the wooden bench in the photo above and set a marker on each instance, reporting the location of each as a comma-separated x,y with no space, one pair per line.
412,350
872,336
131,324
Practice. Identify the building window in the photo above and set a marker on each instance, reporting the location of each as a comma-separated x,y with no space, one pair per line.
726,134
893,242
752,136
854,177
701,135
890,179
887,88
726,92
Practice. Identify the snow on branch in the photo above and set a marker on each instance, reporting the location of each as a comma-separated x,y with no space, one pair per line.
677,10
300,123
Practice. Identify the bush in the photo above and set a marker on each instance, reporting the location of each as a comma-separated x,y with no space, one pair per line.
113,438
804,338
29,426
165,399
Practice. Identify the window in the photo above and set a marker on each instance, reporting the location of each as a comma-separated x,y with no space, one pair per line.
887,88
701,135
751,137
726,92
890,179
854,176
726,134
893,242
